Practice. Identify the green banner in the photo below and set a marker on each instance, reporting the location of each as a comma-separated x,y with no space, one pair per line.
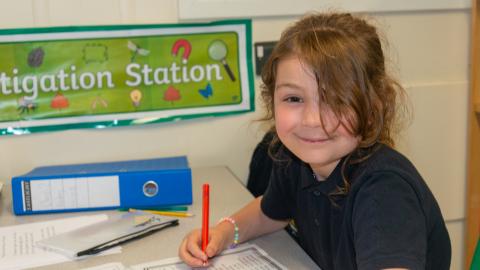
75,77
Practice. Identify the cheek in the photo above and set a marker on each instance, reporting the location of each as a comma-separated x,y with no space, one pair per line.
278,122
343,131
349,139
285,120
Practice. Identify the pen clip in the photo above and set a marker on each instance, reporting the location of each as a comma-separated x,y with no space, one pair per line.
148,221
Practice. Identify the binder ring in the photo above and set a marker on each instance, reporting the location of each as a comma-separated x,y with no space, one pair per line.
150,188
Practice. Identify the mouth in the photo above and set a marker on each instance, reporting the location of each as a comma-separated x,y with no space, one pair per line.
313,140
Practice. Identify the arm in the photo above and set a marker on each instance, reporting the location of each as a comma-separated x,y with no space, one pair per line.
251,223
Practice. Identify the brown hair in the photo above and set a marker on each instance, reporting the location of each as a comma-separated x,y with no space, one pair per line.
345,54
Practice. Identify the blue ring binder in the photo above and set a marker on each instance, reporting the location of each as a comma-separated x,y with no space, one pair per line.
100,186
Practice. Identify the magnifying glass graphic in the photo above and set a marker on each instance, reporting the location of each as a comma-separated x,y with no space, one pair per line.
217,50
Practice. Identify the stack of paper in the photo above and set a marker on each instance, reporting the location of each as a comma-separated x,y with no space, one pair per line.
104,235
17,243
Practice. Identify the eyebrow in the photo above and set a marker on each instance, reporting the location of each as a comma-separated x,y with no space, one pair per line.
289,85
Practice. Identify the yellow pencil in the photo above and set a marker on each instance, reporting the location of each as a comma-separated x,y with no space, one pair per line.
164,213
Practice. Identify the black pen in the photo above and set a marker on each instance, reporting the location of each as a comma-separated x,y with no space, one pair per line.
127,238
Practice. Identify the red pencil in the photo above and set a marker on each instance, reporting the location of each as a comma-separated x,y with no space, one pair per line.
205,214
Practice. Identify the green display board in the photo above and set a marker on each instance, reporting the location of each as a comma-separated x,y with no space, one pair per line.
76,77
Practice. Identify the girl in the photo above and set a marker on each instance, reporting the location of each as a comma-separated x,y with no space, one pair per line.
357,203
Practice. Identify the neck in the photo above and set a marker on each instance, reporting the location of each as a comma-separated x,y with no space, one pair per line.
322,171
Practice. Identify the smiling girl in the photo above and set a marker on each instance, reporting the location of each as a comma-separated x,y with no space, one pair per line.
357,203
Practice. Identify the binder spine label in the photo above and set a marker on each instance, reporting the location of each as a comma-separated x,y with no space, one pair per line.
72,193
27,196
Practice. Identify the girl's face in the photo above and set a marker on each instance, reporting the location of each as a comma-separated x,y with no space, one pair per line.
298,123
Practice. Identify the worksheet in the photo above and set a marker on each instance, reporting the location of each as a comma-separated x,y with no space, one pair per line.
108,266
243,257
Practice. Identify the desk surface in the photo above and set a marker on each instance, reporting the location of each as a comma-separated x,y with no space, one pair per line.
227,195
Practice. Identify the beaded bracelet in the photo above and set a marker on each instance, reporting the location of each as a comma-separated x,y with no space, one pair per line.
235,229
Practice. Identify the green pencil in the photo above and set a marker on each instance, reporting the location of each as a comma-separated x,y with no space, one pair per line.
162,208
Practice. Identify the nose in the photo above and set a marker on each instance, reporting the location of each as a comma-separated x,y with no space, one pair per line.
311,115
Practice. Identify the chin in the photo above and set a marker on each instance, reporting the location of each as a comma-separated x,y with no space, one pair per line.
313,158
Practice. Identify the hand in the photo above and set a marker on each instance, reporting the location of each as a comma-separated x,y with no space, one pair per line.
190,250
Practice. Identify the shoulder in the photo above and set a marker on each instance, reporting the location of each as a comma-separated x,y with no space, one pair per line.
385,158
387,179
286,164
385,187
282,188
385,198
387,168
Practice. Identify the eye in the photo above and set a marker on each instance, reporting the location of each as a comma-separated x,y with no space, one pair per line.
293,99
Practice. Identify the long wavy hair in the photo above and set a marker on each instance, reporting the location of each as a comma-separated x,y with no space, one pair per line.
345,54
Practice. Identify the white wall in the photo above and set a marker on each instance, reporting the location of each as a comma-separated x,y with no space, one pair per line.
433,57
430,51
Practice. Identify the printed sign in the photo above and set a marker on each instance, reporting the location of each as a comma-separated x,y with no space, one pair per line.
73,77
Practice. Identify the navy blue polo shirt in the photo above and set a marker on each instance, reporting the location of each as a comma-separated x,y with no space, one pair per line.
388,219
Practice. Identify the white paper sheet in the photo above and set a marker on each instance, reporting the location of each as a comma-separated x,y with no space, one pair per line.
17,243
108,266
243,257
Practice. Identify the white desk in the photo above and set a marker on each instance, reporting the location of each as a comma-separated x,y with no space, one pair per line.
227,195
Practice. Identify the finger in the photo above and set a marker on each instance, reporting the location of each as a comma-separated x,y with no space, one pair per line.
193,246
187,257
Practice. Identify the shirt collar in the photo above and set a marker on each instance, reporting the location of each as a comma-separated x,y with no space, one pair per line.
335,179
308,179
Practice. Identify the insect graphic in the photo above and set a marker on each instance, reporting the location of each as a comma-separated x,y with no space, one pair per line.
25,105
136,49
207,91
35,57
59,102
